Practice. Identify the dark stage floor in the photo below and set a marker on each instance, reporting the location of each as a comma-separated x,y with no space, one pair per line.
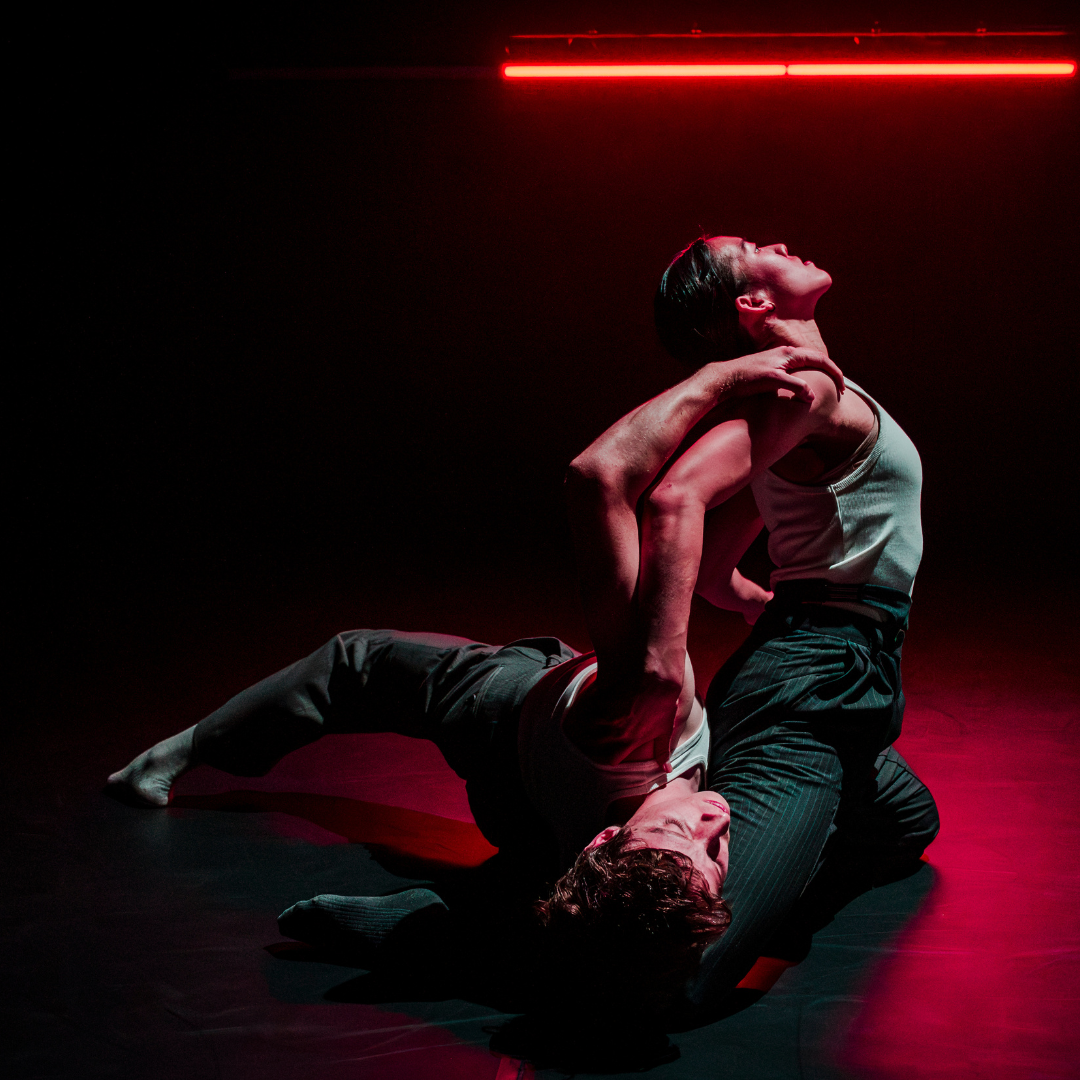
142,944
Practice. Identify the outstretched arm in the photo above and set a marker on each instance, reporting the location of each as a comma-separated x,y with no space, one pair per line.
604,485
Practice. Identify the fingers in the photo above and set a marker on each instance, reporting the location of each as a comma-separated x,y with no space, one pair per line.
812,358
799,388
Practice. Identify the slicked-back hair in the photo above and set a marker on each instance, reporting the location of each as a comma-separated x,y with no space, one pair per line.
694,306
625,926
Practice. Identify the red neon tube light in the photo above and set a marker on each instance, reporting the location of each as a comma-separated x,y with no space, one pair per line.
1057,68
944,67
641,71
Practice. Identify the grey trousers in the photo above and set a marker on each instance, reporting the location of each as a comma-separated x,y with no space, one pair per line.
462,695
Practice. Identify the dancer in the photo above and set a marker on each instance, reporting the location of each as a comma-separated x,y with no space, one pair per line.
565,757
804,715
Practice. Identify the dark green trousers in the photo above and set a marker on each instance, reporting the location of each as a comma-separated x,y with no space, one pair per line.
802,719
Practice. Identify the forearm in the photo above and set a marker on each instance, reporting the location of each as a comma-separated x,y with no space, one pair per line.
648,674
630,454
672,542
603,486
736,593
671,538
729,531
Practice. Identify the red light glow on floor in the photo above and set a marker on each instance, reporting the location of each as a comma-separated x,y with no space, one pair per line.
1056,69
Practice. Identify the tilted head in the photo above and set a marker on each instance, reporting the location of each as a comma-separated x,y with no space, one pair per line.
628,922
718,297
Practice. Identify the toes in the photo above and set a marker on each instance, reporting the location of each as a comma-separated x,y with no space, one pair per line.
121,789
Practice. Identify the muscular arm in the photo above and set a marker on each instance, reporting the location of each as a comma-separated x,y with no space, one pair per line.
717,467
604,485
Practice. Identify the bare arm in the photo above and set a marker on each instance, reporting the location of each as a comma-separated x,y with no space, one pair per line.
730,529
603,487
630,454
718,466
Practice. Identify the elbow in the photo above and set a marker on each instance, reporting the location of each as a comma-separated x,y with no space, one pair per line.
591,473
672,500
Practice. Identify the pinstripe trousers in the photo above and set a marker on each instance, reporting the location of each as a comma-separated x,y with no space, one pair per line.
802,719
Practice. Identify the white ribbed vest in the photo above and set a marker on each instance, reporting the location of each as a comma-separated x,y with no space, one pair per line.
863,529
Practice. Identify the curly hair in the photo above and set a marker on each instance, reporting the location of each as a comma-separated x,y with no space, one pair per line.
625,926
694,306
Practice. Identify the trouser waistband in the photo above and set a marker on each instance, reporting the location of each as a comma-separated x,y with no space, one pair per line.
893,602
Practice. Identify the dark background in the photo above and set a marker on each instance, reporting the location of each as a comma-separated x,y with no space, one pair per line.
289,356
294,343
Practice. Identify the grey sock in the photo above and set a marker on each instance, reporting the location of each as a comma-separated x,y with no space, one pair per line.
357,925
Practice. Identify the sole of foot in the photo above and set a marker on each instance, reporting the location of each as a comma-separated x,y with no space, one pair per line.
148,780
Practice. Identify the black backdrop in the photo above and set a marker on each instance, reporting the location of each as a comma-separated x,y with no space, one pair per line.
300,331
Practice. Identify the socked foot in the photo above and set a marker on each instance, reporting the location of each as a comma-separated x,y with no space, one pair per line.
148,780
357,926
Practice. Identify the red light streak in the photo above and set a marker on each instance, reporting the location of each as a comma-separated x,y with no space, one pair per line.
641,71
713,71
946,68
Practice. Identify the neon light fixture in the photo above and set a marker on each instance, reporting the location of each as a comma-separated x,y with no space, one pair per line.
963,54
963,68
1056,68
642,71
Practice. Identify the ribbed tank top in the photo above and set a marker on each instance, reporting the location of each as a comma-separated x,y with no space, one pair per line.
570,790
864,529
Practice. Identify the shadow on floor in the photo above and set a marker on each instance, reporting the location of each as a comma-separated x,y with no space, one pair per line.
484,954
406,842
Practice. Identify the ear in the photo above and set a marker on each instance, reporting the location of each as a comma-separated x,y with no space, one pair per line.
753,311
753,307
602,837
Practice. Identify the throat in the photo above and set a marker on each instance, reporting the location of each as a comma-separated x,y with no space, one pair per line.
620,811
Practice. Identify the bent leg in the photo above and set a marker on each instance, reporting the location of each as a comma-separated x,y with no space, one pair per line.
797,716
879,838
359,681
783,790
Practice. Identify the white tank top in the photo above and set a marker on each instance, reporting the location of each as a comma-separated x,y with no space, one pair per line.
864,529
570,790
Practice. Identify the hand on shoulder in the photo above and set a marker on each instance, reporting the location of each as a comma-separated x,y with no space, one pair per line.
773,369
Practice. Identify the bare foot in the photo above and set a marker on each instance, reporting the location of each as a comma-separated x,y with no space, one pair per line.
148,780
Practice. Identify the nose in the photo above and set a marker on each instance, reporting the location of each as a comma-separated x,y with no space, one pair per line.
782,248
716,819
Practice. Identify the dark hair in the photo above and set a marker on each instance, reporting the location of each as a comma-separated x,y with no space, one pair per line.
625,926
694,306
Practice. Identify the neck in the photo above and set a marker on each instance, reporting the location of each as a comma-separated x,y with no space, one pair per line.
803,333
687,784
626,810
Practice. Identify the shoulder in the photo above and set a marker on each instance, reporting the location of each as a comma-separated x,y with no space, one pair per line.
779,414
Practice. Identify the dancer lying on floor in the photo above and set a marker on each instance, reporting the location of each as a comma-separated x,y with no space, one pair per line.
567,758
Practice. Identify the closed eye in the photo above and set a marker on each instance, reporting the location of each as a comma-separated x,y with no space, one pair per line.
678,824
